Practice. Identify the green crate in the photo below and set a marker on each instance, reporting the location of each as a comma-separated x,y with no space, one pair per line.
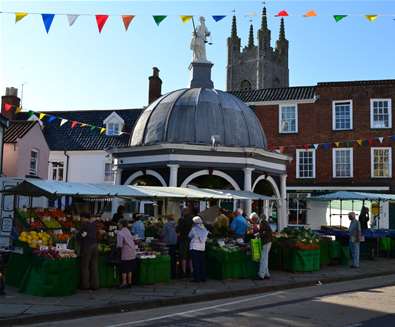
296,260
276,257
108,274
324,252
17,267
345,255
335,250
152,271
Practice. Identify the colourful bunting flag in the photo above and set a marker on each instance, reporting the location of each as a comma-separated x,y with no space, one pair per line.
310,13
19,16
371,18
393,137
338,18
51,118
370,142
359,142
326,146
102,130
185,19
159,19
127,19
7,106
74,124
337,144
316,146
93,127
217,18
30,113
282,13
101,20
41,116
83,125
71,19
381,139
306,146
63,121
47,20
18,109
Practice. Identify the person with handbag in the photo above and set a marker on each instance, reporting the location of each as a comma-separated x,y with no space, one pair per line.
355,239
266,236
198,236
125,242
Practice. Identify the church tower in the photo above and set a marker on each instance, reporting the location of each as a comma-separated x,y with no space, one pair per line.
257,66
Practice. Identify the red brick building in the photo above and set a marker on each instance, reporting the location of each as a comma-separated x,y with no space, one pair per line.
340,135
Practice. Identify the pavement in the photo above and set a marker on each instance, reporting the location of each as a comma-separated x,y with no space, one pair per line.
17,308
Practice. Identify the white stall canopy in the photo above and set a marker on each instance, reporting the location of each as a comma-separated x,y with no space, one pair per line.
346,195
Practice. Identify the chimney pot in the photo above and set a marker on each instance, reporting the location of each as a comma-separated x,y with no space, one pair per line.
155,86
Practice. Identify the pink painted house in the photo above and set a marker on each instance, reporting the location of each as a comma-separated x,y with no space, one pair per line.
26,152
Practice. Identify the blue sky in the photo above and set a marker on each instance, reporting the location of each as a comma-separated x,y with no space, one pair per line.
78,68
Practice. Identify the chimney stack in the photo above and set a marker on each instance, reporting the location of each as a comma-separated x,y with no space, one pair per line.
10,97
155,86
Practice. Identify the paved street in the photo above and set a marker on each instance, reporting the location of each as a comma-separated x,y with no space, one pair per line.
367,302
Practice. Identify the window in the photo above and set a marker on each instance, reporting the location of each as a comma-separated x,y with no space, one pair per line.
57,171
297,208
288,120
113,129
305,163
381,162
380,113
342,115
108,173
343,163
33,162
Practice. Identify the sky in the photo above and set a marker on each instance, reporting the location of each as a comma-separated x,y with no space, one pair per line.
76,68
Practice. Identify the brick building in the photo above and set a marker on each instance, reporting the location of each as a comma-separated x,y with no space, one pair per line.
339,134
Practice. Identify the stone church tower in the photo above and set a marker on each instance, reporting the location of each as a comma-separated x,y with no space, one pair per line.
257,66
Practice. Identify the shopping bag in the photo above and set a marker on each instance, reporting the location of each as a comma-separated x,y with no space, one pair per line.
256,249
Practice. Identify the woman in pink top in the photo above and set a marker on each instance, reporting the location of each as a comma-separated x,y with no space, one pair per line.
125,241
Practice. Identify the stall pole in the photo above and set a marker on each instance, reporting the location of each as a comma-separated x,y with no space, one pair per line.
341,212
330,213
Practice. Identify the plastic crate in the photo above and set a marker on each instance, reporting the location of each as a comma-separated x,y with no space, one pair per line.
296,260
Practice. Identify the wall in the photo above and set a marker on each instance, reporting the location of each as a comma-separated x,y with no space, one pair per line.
315,125
84,166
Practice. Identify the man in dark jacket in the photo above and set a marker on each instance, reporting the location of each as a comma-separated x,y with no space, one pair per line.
265,233
184,226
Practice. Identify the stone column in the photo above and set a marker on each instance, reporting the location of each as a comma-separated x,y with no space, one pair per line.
173,174
173,206
247,187
117,181
283,212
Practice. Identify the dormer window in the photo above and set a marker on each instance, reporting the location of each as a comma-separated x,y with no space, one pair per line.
114,124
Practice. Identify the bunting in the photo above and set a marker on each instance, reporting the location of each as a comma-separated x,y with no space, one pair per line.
7,107
63,121
185,19
74,124
127,19
19,16
51,119
310,13
18,109
101,20
359,142
159,19
71,19
282,13
217,18
41,116
47,20
371,18
338,18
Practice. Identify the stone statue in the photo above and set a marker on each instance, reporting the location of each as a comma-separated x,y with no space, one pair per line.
198,43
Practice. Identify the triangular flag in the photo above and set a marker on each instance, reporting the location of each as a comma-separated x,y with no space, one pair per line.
18,109
101,20
381,139
338,18
51,119
306,146
185,19
337,144
63,121
47,19
282,13
74,124
371,18
30,113
72,19
41,116
310,13
159,19
393,137
370,141
217,18
102,130
326,146
127,19
316,145
82,125
93,127
7,106
19,16
359,142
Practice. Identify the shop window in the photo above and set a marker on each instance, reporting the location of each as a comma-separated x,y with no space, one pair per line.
305,163
343,162
380,113
381,162
297,208
57,171
288,119
342,115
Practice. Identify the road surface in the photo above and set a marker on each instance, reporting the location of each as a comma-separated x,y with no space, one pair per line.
365,303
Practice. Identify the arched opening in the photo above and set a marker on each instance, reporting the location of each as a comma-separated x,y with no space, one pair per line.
146,180
211,181
245,85
266,186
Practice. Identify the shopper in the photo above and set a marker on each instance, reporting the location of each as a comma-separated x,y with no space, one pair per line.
118,216
364,218
355,238
89,254
138,229
239,224
265,234
125,241
254,222
169,236
183,228
198,236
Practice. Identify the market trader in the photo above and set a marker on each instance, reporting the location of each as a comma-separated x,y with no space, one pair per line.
138,228
239,224
355,239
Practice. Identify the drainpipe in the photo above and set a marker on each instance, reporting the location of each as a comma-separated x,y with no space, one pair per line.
67,165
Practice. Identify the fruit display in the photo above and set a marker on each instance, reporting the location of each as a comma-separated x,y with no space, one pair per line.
104,248
36,239
301,238
53,253
61,237
65,222
50,223
36,224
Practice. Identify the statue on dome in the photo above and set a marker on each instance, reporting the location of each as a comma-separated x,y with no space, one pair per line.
199,40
